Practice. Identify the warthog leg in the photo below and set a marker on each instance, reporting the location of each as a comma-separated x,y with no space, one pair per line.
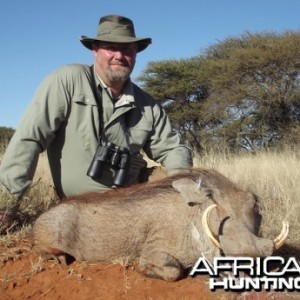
159,264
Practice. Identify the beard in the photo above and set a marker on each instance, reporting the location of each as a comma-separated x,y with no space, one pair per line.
121,74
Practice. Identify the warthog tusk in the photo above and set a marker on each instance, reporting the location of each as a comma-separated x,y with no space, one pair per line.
205,218
281,238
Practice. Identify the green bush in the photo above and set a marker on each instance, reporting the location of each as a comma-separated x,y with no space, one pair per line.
6,134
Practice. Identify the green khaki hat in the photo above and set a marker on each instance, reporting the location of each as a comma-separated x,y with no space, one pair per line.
116,29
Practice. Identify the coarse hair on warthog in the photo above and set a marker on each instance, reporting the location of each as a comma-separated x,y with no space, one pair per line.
164,226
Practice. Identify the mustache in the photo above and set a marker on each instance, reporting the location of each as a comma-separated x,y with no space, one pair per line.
119,63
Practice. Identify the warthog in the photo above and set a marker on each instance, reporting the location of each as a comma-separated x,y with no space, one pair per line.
164,226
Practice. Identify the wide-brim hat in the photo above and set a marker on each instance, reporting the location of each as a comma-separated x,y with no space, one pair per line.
116,29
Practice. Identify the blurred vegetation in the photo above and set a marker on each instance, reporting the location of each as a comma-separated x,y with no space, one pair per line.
240,93
6,134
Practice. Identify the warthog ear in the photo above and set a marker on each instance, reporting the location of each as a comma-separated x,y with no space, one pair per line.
190,191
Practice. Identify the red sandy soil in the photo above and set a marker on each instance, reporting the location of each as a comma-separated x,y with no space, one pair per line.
23,275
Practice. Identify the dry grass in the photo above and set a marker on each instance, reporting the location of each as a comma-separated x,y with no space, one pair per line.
14,245
41,195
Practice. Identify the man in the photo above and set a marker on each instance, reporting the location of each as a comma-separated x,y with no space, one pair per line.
79,111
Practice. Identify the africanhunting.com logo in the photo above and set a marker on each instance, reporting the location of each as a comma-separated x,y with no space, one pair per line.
260,273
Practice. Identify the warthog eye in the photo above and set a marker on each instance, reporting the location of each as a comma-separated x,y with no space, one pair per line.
209,193
193,203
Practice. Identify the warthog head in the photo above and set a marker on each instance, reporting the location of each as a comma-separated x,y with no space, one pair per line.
230,215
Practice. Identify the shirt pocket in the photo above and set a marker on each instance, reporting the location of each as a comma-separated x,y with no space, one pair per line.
84,99
84,120
138,136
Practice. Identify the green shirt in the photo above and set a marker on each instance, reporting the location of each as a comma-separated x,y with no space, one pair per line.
68,116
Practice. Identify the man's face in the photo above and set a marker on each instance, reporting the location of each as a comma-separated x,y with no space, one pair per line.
114,62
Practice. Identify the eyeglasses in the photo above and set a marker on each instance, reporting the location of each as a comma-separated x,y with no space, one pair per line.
126,49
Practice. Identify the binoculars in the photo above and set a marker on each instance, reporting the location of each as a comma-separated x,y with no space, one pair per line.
116,157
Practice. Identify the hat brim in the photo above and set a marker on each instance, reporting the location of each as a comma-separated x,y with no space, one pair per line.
142,43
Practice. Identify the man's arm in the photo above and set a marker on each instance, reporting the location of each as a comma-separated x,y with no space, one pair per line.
35,132
165,146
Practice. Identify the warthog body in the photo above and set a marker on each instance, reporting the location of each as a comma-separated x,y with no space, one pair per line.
157,224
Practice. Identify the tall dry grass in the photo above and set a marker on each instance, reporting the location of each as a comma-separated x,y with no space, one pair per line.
41,195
